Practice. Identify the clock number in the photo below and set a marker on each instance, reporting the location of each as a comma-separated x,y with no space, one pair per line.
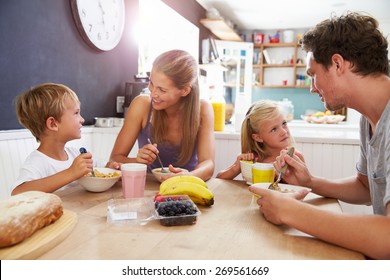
100,22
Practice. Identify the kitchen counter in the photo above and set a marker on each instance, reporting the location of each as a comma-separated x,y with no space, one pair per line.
326,147
341,133
232,228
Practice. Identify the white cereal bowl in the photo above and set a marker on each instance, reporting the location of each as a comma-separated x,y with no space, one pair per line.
246,171
284,188
162,176
100,184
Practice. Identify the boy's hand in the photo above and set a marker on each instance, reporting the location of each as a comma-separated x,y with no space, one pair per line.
82,165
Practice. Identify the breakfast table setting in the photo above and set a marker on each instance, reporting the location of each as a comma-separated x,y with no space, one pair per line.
232,228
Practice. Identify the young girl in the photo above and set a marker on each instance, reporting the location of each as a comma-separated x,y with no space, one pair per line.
264,133
173,117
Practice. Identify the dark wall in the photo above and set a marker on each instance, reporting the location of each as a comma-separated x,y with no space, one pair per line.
39,43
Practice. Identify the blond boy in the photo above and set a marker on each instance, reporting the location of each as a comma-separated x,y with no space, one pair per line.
52,113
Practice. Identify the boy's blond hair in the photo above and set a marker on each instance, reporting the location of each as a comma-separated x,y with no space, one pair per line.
36,105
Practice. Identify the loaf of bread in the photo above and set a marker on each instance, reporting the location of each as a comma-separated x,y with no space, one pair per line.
23,214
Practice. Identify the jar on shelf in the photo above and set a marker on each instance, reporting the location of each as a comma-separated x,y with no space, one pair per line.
288,108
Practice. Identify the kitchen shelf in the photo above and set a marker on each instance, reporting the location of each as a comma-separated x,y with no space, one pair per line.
288,69
221,29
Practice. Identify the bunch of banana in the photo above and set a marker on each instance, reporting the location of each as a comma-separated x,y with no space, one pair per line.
192,186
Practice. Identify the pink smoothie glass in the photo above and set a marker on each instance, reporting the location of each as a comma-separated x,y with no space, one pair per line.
133,179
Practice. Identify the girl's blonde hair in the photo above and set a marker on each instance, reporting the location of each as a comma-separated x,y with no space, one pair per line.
36,105
257,113
182,69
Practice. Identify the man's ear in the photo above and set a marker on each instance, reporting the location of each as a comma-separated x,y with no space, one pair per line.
51,124
339,62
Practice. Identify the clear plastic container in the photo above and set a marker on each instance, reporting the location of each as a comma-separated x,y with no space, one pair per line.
143,210
130,210
176,210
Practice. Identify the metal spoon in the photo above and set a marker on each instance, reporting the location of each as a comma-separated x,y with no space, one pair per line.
83,151
159,160
274,186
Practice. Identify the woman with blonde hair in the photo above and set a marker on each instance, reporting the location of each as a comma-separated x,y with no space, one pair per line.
173,117
264,133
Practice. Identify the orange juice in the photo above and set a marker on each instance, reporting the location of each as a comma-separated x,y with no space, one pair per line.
219,115
263,173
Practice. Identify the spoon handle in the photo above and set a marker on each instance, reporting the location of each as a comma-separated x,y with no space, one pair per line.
159,160
83,151
290,153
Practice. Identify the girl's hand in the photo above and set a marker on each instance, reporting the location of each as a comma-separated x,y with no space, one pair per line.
247,156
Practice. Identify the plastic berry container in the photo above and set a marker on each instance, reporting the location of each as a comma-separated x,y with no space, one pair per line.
175,210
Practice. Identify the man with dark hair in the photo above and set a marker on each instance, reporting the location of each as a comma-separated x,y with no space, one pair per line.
348,65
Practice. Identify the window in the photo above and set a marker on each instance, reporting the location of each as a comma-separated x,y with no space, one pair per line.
161,29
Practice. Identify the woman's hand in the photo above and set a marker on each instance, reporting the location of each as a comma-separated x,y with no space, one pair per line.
114,165
147,154
174,171
177,170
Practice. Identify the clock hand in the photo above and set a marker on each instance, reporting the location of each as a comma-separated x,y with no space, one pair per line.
103,12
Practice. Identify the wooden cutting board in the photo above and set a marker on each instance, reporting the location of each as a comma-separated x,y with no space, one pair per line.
43,240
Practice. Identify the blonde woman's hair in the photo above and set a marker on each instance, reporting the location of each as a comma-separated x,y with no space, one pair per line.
257,113
182,69
36,105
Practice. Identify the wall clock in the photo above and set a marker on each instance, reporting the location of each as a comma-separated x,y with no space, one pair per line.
100,22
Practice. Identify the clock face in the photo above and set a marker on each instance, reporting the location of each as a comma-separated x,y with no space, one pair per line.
100,22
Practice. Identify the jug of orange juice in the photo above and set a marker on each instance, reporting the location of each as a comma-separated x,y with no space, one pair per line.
219,107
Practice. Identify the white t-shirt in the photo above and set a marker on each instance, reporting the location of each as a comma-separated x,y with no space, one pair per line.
38,165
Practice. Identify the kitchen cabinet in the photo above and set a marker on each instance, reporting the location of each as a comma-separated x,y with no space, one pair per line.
280,65
221,29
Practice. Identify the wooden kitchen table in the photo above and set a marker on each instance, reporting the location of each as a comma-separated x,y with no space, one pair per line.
232,228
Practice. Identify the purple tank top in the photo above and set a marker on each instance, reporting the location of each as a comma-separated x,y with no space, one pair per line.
168,153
